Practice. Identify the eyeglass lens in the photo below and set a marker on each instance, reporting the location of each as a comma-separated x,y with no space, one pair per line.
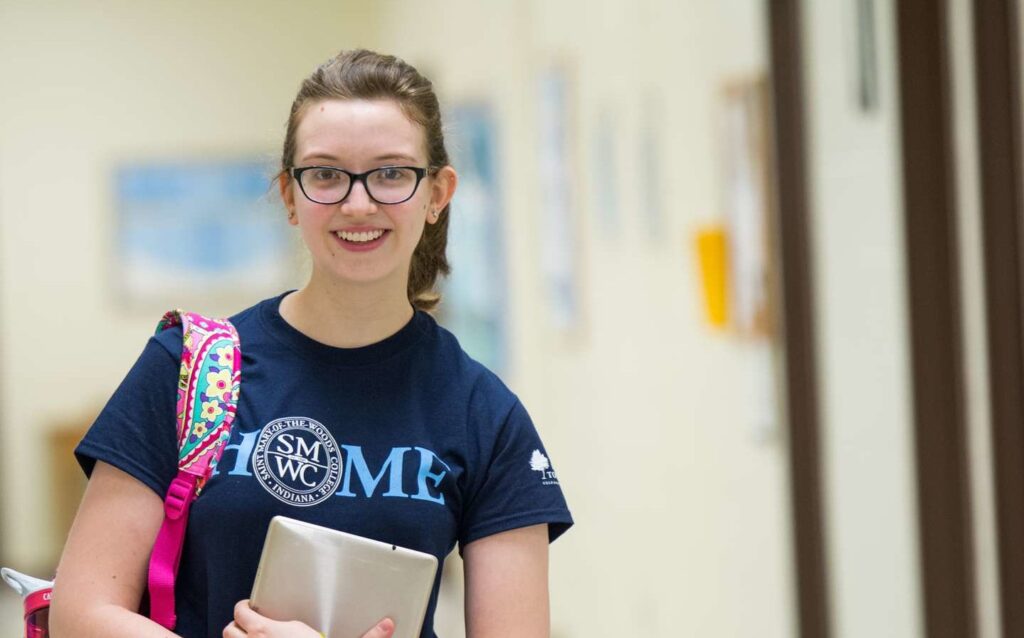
387,185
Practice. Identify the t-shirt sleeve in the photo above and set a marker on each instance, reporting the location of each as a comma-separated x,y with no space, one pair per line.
518,487
136,431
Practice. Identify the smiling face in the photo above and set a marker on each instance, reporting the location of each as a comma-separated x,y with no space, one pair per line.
358,240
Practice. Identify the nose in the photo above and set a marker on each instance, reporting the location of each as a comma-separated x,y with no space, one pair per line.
358,200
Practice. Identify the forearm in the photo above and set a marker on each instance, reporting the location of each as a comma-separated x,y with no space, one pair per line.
103,621
103,571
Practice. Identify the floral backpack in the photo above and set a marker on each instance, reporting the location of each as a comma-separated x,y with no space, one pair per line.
208,384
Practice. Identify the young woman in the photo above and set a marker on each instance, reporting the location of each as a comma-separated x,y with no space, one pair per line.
430,448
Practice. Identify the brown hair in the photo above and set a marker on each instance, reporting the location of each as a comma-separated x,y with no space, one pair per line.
362,74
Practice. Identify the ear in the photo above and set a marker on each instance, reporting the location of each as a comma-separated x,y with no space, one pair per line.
286,185
442,189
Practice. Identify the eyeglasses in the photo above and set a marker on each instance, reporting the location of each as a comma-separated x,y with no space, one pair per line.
384,185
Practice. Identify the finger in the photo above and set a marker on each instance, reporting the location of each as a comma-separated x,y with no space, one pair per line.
233,631
384,629
245,617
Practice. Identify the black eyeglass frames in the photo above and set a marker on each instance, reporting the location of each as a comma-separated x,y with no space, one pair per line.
384,185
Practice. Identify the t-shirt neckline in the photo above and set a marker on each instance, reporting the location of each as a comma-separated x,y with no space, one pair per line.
379,351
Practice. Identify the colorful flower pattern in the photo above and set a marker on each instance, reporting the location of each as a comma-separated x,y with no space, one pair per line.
208,387
218,383
225,356
211,410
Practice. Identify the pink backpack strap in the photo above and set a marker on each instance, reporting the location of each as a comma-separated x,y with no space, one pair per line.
208,384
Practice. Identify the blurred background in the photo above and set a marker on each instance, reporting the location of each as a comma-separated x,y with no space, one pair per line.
752,266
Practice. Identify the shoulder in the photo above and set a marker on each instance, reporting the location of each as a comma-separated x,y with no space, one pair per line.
482,404
482,386
169,339
249,317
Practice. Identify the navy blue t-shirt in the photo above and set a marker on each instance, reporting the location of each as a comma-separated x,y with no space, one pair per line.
408,441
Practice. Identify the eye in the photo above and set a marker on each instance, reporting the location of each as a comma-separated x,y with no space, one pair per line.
324,175
393,174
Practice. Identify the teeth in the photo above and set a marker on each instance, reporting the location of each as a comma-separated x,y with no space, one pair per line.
360,237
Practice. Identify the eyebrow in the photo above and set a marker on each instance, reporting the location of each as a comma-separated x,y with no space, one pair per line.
380,158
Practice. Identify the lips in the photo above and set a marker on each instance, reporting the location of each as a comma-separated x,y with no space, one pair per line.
361,240
360,237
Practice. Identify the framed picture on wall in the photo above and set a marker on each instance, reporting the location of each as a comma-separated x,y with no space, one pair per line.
198,231
866,56
474,304
603,176
558,230
748,201
651,177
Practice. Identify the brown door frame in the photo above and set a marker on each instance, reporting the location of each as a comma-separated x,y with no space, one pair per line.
786,60
996,51
933,270
935,321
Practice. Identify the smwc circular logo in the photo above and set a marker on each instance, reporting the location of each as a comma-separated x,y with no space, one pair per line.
298,461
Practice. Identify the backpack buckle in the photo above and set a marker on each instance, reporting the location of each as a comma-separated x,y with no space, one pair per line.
179,496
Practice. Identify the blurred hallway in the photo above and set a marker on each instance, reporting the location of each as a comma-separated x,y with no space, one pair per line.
761,358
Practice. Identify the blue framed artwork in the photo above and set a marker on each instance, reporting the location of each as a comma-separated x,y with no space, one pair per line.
559,231
604,172
474,295
651,182
198,229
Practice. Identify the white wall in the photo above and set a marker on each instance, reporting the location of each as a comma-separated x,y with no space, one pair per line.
86,88
682,514
861,311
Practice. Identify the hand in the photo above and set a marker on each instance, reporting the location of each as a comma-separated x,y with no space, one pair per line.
249,624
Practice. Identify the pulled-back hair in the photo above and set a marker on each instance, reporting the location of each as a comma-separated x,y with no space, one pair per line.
364,75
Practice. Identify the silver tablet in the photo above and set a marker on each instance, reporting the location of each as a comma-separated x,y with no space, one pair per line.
339,583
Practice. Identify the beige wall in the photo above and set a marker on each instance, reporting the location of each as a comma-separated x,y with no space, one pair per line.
682,514
654,422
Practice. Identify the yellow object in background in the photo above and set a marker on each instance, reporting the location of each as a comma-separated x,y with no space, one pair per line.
712,252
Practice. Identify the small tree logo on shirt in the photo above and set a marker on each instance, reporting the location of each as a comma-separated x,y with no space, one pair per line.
298,461
540,463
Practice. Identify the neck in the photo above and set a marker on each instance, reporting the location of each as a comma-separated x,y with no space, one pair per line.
345,316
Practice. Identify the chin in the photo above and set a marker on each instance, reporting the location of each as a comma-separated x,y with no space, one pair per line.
360,276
